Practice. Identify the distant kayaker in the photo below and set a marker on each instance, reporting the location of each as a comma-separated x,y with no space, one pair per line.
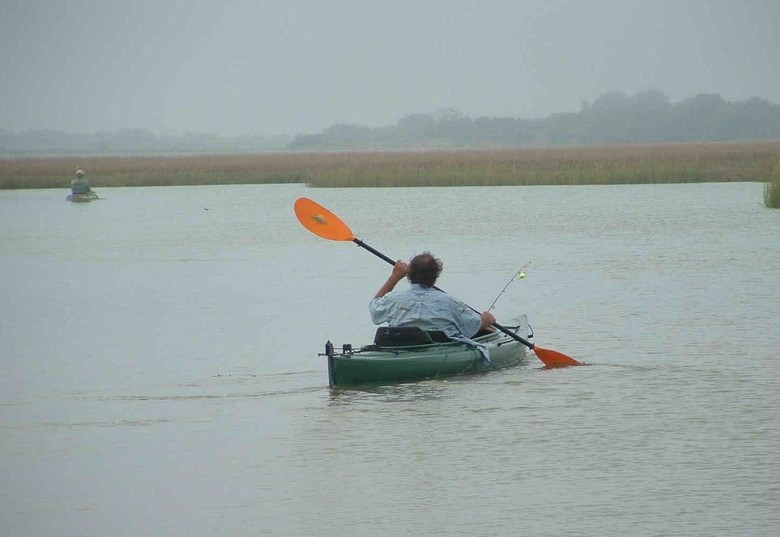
422,305
80,185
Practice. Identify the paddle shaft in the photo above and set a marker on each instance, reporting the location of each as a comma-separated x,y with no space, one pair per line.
505,330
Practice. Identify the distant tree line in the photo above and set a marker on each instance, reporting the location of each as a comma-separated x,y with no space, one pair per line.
613,118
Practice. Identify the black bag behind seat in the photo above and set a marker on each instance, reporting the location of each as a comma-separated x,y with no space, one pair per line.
404,336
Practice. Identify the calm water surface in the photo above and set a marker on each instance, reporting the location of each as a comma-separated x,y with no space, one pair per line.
159,369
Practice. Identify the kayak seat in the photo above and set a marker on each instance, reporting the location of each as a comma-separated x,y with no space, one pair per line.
403,336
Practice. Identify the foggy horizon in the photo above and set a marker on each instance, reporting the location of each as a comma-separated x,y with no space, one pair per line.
285,68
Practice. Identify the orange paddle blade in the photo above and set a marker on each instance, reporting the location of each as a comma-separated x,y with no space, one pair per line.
321,221
552,358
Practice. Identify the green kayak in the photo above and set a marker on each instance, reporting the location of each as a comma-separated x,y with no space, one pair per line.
410,354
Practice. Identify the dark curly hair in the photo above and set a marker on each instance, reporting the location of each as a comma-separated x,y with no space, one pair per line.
424,269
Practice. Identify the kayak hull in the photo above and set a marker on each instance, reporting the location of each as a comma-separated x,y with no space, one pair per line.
82,198
373,364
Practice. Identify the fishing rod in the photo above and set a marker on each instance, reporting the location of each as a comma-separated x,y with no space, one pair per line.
519,275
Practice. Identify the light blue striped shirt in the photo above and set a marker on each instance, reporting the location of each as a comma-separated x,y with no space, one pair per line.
427,308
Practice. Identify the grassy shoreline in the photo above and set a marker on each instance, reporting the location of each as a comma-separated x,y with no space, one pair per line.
616,164
772,187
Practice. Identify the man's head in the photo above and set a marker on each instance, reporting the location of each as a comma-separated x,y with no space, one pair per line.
79,172
424,269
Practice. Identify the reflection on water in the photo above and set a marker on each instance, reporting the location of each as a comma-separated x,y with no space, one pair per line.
408,392
161,371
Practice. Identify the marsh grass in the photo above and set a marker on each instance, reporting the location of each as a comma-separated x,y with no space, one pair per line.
630,164
772,188
148,171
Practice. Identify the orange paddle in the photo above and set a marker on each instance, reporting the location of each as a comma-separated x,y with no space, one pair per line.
327,225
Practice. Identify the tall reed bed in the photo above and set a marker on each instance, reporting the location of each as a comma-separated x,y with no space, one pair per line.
677,163
151,170
772,188
663,163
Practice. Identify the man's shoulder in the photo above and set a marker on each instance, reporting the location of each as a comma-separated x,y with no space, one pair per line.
401,294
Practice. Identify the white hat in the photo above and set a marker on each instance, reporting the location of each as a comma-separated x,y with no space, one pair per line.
79,172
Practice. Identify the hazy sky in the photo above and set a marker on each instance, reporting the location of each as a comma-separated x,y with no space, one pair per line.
291,66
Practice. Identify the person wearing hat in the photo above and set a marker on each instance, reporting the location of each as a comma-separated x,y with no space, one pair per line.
80,185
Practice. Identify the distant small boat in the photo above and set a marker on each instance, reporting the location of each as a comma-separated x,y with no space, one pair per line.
405,354
81,198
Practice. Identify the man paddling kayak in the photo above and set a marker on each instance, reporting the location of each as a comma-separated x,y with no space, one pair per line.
80,185
424,306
